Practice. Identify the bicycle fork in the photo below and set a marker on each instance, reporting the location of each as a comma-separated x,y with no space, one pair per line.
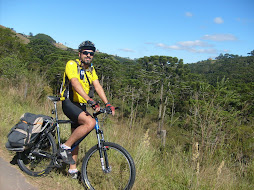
102,149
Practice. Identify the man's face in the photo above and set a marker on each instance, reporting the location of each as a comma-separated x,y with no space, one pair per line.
86,56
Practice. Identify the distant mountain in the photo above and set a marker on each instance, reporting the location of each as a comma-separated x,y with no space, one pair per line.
23,37
236,70
26,39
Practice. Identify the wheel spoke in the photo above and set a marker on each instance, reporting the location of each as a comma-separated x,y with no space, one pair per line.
120,176
38,161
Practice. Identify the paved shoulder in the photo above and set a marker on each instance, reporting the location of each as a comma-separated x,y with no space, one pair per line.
11,179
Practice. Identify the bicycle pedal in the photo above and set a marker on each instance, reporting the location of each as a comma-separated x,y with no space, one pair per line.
58,163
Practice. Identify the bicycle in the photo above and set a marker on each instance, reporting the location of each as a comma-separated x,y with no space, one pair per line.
105,166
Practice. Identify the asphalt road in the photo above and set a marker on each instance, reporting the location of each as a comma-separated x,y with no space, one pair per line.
12,179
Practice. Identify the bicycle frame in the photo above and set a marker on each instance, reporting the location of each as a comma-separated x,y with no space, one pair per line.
100,139
99,134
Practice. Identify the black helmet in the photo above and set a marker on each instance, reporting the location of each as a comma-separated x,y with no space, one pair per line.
87,45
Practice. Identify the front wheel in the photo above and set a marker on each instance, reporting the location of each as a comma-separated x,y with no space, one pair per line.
120,173
37,160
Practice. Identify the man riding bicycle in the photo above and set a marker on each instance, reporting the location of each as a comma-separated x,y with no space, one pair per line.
79,76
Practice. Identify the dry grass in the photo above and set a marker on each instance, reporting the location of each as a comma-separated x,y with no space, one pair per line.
157,168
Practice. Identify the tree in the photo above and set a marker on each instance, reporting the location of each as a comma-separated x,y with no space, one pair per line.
12,67
41,48
44,37
251,53
226,56
11,44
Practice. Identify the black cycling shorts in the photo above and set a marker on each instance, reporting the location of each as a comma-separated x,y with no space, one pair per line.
72,111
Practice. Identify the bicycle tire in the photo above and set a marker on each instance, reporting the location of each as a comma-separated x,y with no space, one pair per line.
121,176
36,165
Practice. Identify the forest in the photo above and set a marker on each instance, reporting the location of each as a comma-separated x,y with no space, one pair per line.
208,104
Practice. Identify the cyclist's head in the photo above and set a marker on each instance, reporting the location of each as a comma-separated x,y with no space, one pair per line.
86,45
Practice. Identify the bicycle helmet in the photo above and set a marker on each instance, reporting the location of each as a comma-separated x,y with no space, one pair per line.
88,45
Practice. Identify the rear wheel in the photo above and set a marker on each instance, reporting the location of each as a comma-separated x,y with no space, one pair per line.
38,161
120,173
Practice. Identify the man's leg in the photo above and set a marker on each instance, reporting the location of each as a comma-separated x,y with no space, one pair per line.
74,155
87,123
73,171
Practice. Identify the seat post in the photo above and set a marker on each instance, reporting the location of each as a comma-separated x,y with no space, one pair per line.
55,106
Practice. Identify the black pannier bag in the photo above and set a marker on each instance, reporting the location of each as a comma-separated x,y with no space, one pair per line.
26,131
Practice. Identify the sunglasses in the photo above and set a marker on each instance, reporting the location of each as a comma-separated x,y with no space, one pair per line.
86,53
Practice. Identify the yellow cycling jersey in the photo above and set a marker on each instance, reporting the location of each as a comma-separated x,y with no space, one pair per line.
73,69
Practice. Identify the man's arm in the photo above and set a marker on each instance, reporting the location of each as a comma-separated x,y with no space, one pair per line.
79,89
102,94
100,91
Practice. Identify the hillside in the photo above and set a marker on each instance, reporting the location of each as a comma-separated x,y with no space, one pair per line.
236,70
26,39
22,37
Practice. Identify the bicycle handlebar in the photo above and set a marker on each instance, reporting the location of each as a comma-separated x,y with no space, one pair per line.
103,110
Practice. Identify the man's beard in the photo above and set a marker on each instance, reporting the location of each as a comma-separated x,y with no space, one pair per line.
87,61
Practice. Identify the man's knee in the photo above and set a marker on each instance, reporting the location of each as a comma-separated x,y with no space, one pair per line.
86,119
92,122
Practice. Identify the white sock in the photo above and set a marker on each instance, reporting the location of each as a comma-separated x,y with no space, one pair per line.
65,147
71,171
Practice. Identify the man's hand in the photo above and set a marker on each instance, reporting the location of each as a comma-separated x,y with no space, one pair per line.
93,104
110,108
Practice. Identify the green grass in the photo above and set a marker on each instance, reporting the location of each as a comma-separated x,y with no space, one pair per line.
170,167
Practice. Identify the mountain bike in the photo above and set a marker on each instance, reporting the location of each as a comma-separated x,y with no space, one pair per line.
105,166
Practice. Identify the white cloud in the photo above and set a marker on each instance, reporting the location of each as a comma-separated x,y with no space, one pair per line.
226,50
209,51
175,47
218,20
190,46
161,45
164,46
127,50
220,37
194,43
188,14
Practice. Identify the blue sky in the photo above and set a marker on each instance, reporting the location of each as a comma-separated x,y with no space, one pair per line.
192,30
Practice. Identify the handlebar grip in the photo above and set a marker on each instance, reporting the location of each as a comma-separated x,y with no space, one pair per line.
103,111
